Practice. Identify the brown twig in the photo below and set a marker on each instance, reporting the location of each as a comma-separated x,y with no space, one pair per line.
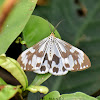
5,10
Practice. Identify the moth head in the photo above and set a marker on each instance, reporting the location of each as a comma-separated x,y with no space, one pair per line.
52,37
52,34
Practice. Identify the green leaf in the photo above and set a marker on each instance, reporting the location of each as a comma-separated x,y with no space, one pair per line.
37,29
98,97
55,95
34,89
8,91
2,82
77,96
16,22
14,68
82,32
39,79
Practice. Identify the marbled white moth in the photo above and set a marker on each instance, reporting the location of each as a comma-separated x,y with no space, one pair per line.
53,55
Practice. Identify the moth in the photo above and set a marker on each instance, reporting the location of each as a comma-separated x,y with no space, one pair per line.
53,55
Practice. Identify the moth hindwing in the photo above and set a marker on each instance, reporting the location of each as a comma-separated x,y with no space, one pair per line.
55,56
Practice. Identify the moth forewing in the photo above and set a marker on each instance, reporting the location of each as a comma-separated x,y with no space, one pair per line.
83,64
74,58
31,59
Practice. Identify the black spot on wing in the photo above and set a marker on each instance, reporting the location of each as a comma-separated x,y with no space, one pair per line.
55,69
43,68
56,59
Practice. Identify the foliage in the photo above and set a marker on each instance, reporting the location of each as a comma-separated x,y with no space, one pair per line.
15,23
55,95
75,29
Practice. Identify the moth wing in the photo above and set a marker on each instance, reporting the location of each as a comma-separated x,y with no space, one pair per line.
56,64
74,59
32,58
44,67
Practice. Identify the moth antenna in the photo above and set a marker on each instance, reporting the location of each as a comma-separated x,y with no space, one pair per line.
56,26
50,27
